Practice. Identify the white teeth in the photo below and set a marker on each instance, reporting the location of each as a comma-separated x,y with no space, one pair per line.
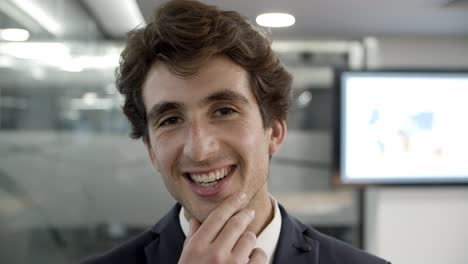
219,174
212,177
207,179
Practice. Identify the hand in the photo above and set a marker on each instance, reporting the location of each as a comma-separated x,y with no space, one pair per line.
222,238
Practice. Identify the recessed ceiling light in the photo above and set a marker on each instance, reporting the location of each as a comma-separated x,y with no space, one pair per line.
71,68
14,34
275,20
304,99
90,98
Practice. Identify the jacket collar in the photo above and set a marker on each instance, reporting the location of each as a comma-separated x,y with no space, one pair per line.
168,247
294,245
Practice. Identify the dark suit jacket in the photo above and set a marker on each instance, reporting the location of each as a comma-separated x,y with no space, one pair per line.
297,244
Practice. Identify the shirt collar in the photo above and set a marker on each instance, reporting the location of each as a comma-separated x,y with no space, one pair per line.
267,240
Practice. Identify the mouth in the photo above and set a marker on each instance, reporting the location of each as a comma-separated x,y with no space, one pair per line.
210,178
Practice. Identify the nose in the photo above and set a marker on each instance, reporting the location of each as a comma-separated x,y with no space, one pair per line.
201,142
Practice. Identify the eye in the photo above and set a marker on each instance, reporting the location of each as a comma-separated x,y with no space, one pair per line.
169,121
224,111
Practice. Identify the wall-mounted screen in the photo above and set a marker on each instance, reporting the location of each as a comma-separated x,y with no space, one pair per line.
403,127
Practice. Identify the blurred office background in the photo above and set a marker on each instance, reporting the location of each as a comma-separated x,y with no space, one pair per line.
72,183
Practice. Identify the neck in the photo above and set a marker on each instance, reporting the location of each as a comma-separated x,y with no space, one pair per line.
264,211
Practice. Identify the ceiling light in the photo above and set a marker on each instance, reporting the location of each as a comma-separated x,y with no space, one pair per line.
48,53
275,20
40,15
90,99
304,99
14,34
71,68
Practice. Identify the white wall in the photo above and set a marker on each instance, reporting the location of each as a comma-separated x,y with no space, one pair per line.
418,225
409,225
423,52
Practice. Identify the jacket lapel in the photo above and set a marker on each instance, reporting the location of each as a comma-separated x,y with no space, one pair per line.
168,247
294,246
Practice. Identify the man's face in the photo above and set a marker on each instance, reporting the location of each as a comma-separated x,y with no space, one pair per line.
206,136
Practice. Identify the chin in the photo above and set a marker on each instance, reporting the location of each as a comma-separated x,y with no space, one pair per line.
200,212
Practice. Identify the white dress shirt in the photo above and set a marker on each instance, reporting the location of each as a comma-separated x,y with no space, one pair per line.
267,240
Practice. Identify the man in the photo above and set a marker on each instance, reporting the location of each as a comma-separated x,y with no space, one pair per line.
209,98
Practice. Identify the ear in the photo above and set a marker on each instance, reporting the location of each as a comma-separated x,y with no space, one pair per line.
151,153
277,136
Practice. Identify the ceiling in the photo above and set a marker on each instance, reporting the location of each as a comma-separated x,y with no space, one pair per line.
111,19
353,18
49,19
97,29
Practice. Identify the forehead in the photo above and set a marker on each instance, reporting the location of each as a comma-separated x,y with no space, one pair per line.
219,73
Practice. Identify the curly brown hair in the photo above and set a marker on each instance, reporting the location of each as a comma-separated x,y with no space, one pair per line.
184,35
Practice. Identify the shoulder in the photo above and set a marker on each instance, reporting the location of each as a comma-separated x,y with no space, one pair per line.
328,249
146,246
337,251
131,251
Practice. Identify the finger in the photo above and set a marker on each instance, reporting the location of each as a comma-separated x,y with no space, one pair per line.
213,224
194,225
258,256
244,246
233,229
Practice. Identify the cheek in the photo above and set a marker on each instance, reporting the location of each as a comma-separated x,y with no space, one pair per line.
165,154
165,160
256,143
251,142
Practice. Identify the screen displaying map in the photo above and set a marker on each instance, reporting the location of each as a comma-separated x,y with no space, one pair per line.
401,127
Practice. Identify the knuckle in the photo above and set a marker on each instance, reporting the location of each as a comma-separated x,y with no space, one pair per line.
236,221
238,261
237,199
258,256
262,254
246,214
230,205
250,237
217,216
218,258
194,250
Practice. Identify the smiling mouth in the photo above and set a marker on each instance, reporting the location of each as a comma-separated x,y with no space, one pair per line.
210,178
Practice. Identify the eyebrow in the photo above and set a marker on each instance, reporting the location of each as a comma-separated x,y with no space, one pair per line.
225,95
161,108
